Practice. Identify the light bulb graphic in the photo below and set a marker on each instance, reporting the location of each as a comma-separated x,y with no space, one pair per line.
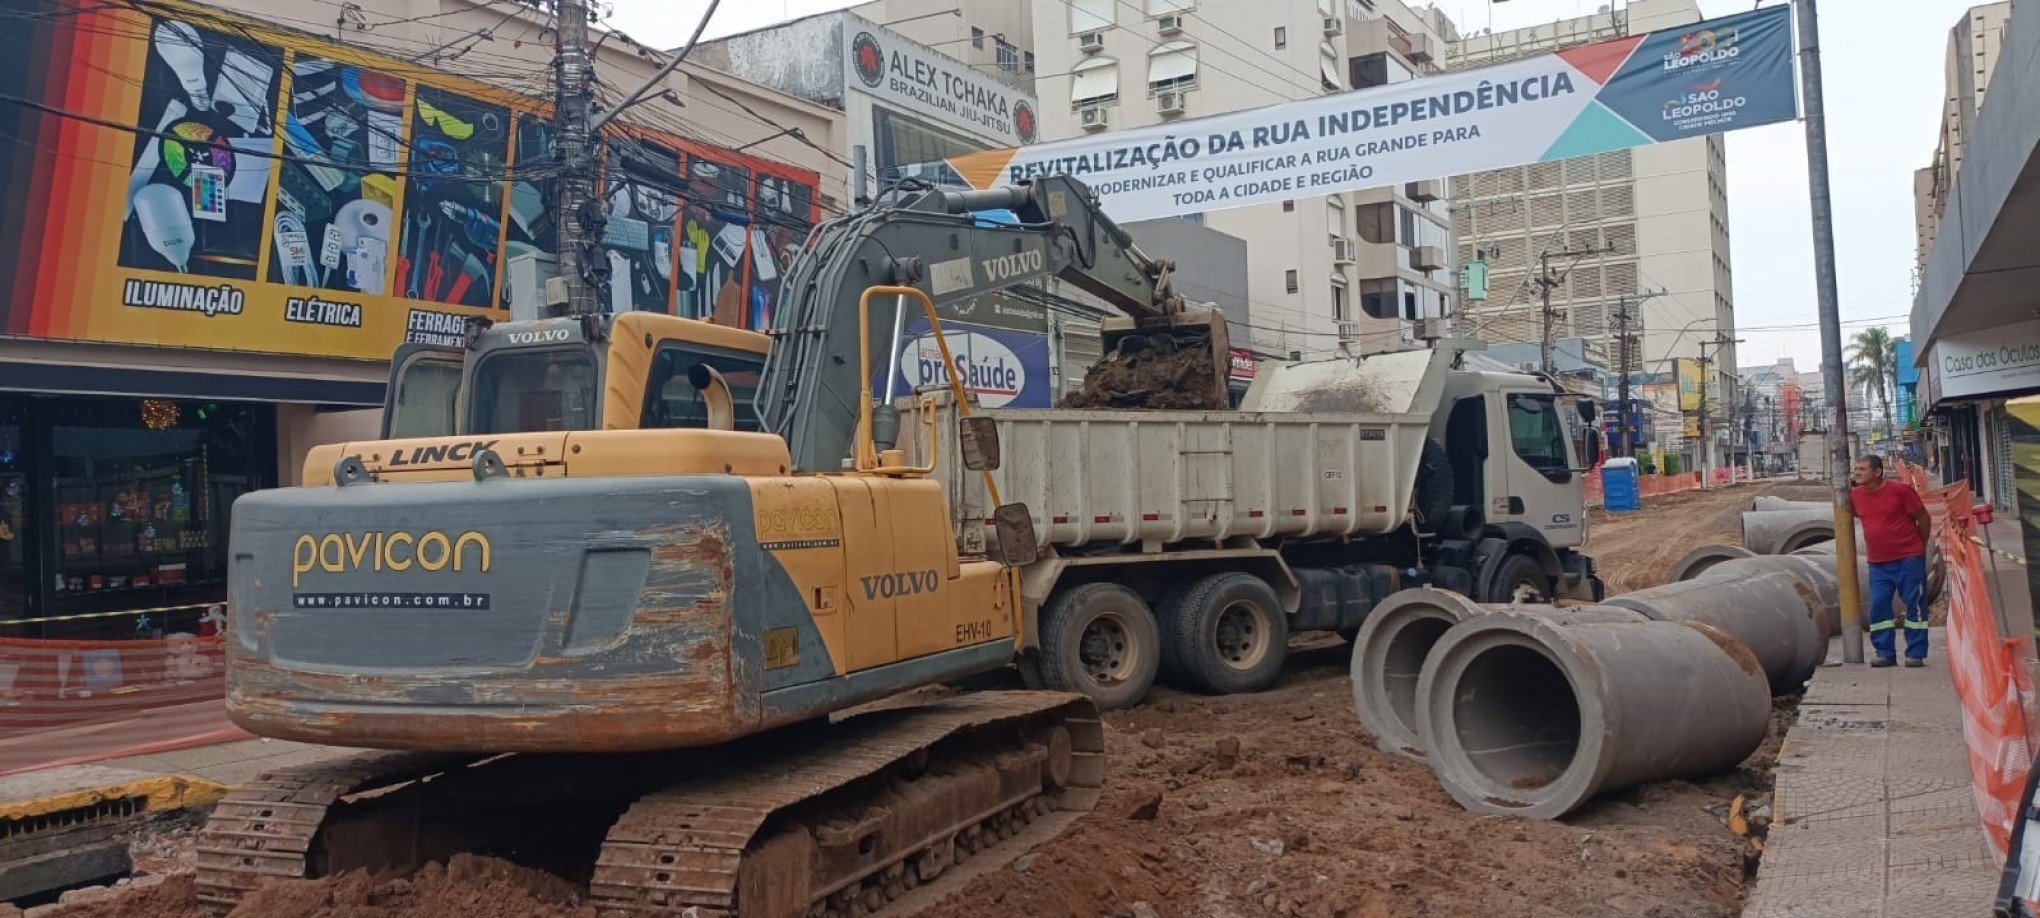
166,222
180,46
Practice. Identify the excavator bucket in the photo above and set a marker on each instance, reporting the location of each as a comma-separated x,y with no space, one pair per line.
1179,360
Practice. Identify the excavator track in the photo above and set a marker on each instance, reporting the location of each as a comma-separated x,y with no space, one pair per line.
265,829
843,830
827,821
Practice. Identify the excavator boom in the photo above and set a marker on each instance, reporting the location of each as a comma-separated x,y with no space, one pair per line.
946,244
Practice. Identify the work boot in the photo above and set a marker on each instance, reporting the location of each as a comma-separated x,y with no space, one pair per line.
1882,662
1914,663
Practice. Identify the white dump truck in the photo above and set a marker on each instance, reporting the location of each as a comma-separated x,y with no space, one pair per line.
1191,544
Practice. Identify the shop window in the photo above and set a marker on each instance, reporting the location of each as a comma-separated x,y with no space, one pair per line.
1172,66
534,390
14,485
136,504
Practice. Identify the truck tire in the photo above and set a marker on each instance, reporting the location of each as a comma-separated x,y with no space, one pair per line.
1433,495
1099,640
1519,579
1228,635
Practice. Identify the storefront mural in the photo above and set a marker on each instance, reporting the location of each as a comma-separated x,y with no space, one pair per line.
281,194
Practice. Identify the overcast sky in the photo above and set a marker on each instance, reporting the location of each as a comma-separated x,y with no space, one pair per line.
1883,69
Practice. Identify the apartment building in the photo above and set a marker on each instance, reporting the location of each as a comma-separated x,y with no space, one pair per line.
1653,220
1974,45
1357,271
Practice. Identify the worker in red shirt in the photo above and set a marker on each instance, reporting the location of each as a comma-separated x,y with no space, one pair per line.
1895,532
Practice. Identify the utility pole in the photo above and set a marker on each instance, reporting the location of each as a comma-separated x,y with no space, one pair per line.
573,146
1545,281
1830,326
1626,346
1721,340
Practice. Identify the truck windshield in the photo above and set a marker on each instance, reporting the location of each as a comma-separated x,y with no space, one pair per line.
1538,435
523,391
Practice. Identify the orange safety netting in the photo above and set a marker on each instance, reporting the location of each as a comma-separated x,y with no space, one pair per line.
1993,672
1655,485
65,702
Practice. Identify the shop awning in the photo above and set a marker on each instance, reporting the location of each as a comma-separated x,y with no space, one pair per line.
84,379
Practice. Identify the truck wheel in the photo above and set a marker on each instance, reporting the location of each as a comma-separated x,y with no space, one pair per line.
1228,635
1433,496
1099,640
1520,579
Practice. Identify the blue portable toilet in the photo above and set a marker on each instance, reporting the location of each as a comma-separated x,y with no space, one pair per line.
1619,486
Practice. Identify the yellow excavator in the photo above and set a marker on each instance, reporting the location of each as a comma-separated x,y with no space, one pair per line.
609,587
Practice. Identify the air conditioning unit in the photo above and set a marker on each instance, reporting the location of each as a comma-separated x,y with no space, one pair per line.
1342,251
1351,331
1334,25
1091,42
1427,257
1420,49
1425,191
1170,102
1092,118
1170,24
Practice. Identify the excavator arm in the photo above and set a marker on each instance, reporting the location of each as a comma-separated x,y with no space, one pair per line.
942,243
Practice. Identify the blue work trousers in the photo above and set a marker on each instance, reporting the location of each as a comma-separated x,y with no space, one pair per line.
1907,578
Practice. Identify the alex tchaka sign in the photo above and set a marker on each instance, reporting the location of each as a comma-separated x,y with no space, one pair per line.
922,81
1706,78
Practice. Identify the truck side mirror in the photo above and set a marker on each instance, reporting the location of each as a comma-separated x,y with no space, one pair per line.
1013,527
979,437
1593,445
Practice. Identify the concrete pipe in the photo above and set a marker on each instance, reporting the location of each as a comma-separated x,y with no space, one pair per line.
1780,532
1388,656
1773,613
1778,503
1704,558
1533,716
1937,567
1810,569
1389,653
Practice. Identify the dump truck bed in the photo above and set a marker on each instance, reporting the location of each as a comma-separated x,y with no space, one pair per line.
1171,476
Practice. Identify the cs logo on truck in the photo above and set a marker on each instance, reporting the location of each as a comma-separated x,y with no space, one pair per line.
349,552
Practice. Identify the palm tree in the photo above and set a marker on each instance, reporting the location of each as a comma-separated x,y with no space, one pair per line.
1873,364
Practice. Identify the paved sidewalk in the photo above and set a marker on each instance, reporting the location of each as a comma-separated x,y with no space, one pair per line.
1873,814
221,765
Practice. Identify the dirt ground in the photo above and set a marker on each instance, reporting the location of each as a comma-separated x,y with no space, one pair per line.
1269,804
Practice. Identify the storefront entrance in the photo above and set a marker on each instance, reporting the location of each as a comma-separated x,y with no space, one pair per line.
114,511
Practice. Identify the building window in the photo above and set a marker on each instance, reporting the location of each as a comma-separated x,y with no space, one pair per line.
1009,56
1281,37
1377,223
1030,61
1339,302
1172,66
1165,7
1335,217
977,37
1328,67
1288,206
1377,297
1091,15
1094,82
1289,280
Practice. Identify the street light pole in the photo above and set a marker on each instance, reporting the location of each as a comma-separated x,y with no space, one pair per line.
1830,326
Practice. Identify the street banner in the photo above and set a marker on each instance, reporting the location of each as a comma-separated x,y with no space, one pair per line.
188,177
1707,78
